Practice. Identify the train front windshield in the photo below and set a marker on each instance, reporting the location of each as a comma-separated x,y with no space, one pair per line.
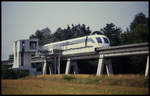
105,40
98,39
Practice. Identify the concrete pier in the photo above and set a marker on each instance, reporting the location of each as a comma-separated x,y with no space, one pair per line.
44,66
75,67
71,64
68,65
147,66
109,67
101,63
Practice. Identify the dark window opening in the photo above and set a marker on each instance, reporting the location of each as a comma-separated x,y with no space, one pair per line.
33,44
22,54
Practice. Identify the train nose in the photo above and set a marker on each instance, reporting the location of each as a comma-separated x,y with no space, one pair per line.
105,45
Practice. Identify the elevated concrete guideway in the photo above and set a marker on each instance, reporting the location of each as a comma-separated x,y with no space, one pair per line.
113,51
123,50
102,54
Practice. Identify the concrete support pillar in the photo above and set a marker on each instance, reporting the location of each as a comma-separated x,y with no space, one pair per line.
50,69
44,66
50,72
68,66
100,65
58,66
75,67
108,67
147,67
55,62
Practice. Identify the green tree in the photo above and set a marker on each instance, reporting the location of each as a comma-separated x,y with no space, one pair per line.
44,36
71,32
140,18
139,32
139,29
113,33
124,37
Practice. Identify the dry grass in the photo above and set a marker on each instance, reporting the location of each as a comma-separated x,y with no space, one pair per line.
57,84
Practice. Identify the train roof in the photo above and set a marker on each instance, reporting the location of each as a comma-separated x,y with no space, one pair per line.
95,35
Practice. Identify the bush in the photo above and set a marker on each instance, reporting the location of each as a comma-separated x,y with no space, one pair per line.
67,77
7,74
13,73
88,80
18,73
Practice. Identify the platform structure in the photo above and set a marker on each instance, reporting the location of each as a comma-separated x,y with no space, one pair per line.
23,51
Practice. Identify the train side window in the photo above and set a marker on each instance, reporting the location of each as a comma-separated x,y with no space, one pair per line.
105,40
77,41
98,40
91,40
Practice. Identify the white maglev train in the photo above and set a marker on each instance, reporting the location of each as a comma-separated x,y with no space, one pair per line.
79,45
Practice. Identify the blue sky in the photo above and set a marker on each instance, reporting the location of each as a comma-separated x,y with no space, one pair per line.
21,19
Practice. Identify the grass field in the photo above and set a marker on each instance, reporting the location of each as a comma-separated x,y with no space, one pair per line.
77,84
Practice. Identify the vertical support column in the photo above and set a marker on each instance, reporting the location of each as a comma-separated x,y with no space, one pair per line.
44,66
100,65
50,69
58,66
68,65
147,66
108,67
75,67
55,62
50,72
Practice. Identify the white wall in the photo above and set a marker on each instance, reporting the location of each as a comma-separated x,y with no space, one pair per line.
17,48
